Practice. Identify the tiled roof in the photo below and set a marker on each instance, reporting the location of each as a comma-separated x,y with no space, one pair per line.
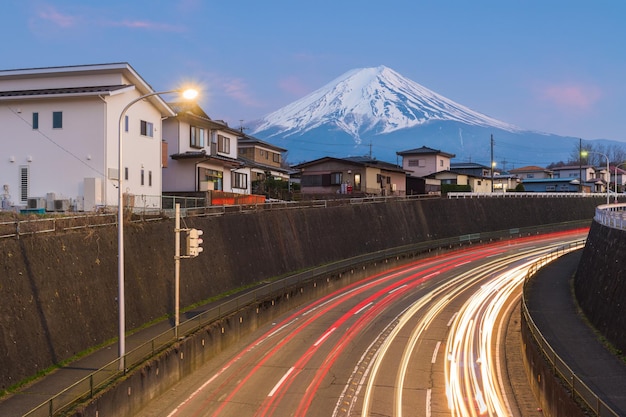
424,150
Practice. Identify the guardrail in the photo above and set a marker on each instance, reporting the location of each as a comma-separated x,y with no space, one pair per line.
88,386
577,387
611,215
513,194
58,223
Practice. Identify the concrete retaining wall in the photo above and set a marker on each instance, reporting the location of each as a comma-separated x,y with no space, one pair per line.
600,283
59,291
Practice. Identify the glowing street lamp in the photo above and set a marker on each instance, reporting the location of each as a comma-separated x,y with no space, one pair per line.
608,171
187,94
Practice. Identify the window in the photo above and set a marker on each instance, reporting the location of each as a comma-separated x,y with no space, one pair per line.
125,173
142,176
240,180
196,137
211,175
335,178
147,129
149,178
312,180
276,157
125,123
441,162
57,119
35,120
223,144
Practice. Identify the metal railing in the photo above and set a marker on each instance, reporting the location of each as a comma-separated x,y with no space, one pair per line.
190,206
560,368
88,386
611,215
524,195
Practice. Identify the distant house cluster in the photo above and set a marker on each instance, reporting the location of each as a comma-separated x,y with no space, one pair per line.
61,129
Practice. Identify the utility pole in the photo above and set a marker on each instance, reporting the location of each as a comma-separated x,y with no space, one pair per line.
580,165
492,163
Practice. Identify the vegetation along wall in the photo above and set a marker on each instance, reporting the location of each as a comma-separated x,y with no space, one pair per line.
59,290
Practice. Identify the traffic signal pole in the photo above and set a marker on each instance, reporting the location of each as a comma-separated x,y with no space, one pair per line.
177,270
192,249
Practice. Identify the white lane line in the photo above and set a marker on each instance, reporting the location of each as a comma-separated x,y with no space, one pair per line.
324,336
398,288
434,358
368,305
273,391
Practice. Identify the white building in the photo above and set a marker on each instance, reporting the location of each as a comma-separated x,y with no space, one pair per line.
200,154
59,135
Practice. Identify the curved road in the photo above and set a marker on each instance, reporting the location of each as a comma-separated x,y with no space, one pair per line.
422,339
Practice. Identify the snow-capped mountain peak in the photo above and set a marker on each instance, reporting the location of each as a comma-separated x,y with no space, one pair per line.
374,101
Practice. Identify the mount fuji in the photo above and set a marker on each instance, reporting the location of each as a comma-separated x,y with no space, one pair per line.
377,112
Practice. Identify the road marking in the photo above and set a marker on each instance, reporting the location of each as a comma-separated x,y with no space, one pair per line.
273,391
434,359
324,336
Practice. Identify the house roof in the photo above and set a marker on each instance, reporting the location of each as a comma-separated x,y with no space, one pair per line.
74,91
202,155
447,171
251,140
547,180
529,168
135,80
253,164
424,150
363,161
466,165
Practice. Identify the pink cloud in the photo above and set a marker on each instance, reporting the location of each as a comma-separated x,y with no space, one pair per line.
57,18
574,96
144,24
237,89
293,85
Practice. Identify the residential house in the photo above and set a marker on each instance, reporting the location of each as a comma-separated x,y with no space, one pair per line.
423,161
60,133
591,177
263,162
200,155
471,168
551,185
353,175
476,184
530,172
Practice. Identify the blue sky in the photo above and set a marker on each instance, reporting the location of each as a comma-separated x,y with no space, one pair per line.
550,65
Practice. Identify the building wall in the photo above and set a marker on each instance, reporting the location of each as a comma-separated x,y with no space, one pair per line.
58,160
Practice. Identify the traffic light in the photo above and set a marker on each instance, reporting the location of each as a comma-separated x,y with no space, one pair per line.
193,242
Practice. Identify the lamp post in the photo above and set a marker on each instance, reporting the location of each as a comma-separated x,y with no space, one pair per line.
608,171
188,94
617,166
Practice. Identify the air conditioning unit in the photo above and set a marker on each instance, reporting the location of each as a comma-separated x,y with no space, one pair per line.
50,197
61,205
37,203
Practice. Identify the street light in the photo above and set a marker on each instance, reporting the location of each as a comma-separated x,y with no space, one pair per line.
608,171
617,166
187,94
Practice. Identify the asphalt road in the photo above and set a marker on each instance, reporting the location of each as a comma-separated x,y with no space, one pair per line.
412,341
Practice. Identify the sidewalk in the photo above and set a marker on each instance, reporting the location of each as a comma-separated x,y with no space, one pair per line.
552,307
